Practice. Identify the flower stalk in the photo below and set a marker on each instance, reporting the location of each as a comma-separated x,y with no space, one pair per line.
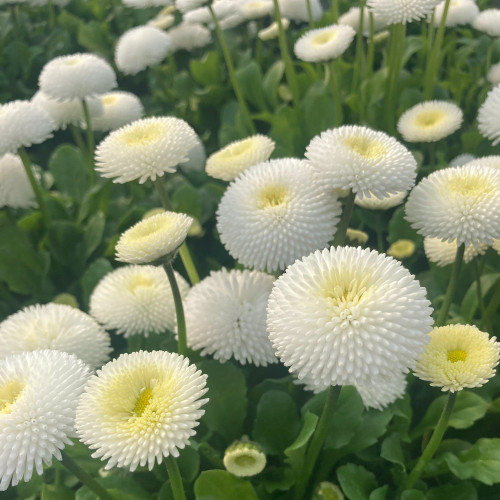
90,142
341,234
175,478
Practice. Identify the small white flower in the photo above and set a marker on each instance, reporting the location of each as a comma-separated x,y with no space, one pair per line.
188,5
443,253
197,16
489,116
55,326
488,21
226,316
140,408
401,11
373,203
141,47
272,30
297,9
352,18
76,76
119,109
461,160
255,9
39,393
15,188
136,300
244,459
189,36
430,121
492,161
459,12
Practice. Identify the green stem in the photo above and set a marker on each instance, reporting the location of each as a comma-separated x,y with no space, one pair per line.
479,291
84,477
445,307
90,142
493,306
175,478
370,57
337,99
309,13
232,73
317,441
380,234
340,235
434,442
52,17
359,63
334,10
291,77
77,137
179,309
162,193
34,185
433,61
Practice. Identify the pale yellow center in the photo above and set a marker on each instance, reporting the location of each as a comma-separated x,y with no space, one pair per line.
470,186
143,402
149,227
9,393
141,135
346,293
109,99
273,196
457,355
238,149
139,282
72,62
244,461
323,38
364,146
430,118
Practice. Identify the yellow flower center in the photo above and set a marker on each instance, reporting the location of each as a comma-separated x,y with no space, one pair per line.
143,402
139,282
142,135
9,393
457,355
401,249
364,146
429,118
109,99
323,38
72,62
238,149
149,227
244,461
470,186
273,196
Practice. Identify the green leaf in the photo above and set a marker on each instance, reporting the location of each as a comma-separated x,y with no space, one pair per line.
412,495
462,491
67,166
481,462
413,44
94,273
227,393
271,81
186,200
189,463
66,244
469,407
95,37
392,450
379,493
206,71
356,481
469,302
221,485
92,233
277,422
319,109
399,228
250,79
296,451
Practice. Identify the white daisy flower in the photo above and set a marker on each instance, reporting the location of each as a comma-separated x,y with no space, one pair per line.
197,16
76,76
492,161
459,12
430,121
188,5
324,44
488,117
255,9
22,123
15,187
244,459
119,109
226,316
368,162
140,408
373,203
233,159
461,160
348,316
379,393
443,253
141,47
55,326
274,213
352,18
401,11
39,393
272,31
189,36
136,300
488,21
153,238
145,149
196,158
162,22
297,9
457,203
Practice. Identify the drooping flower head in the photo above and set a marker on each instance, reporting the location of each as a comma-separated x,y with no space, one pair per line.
15,188
401,11
230,161
39,392
443,253
76,76
118,109
55,326
430,121
244,459
153,238
145,149
489,116
226,316
369,162
348,316
140,408
324,44
457,203
136,300
274,213
458,357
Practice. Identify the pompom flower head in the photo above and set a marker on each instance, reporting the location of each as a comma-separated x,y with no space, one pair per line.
22,123
324,44
255,9
489,116
136,300
457,203
401,11
226,316
488,21
140,408
430,121
230,161
373,203
297,9
244,459
443,253
76,76
459,12
145,149
55,326
274,213
39,393
458,356
153,238
348,316
189,36
118,109
15,188
380,393
141,47
369,162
